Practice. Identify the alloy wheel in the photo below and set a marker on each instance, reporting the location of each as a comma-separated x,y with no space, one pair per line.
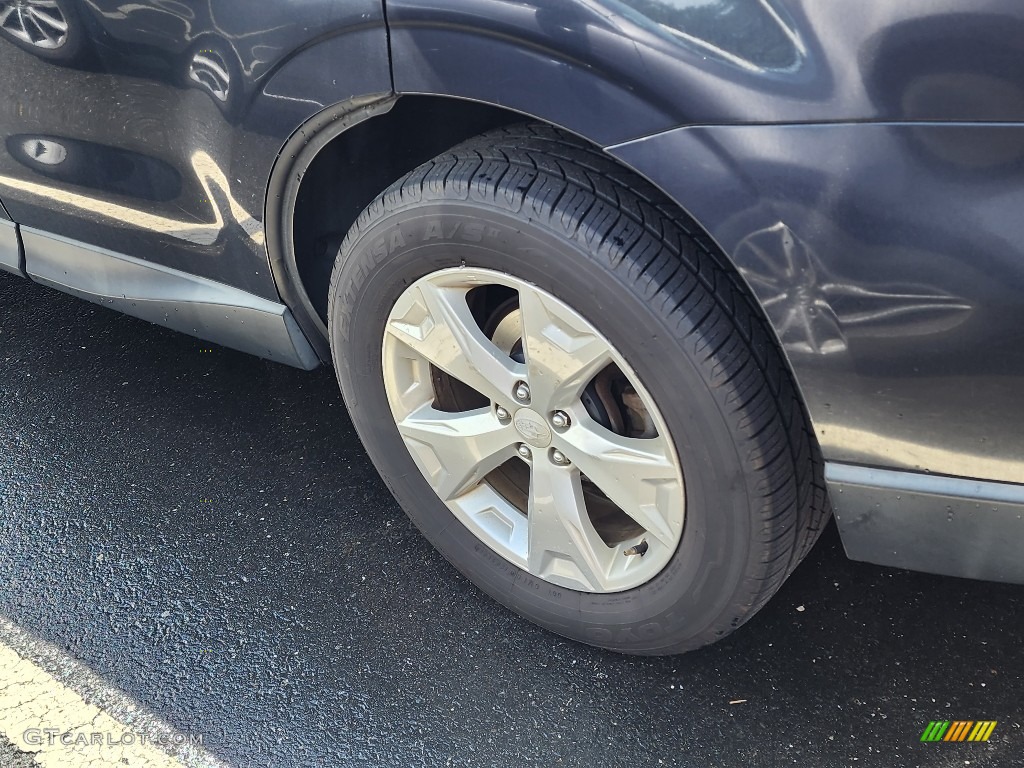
39,23
533,430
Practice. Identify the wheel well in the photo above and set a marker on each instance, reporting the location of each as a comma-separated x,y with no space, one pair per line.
357,163
364,160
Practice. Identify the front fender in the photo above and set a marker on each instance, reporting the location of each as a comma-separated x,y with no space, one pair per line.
888,259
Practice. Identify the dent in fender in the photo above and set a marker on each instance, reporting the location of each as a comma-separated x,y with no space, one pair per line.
887,259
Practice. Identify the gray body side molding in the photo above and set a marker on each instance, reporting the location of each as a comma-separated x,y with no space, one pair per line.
180,301
10,248
932,523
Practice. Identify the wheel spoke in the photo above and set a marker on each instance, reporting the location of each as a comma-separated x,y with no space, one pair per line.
21,29
45,39
52,19
638,475
435,322
563,353
456,450
563,545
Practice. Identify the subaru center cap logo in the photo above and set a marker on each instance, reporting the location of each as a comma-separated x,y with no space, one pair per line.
532,427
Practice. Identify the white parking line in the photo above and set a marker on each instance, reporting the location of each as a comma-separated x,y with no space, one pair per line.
65,715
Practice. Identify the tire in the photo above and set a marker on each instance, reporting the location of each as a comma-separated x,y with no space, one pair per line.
537,205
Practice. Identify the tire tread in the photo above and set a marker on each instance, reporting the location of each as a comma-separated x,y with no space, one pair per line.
656,251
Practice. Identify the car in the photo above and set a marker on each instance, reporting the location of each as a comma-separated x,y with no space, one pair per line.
625,297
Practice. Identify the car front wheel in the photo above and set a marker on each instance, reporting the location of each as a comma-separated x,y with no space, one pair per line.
571,396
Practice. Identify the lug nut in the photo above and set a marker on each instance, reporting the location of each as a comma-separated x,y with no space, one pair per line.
522,392
560,419
524,451
501,413
558,457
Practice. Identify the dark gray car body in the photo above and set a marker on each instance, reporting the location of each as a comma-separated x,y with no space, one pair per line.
860,163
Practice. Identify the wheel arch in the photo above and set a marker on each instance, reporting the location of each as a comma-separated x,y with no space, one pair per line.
347,154
336,162
607,78
334,165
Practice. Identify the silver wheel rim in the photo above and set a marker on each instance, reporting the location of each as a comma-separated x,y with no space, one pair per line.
575,463
40,23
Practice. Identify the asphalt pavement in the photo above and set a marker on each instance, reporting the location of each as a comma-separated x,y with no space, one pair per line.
203,532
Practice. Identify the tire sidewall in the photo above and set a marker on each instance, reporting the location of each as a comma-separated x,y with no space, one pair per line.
381,259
